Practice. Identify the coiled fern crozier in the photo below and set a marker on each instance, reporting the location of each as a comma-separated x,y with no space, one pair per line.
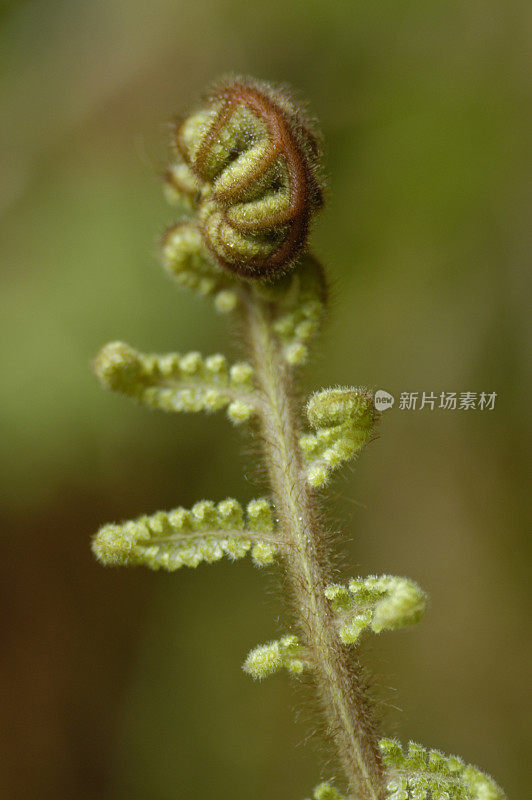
246,172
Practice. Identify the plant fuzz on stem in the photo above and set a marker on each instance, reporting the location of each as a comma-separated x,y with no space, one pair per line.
246,177
307,562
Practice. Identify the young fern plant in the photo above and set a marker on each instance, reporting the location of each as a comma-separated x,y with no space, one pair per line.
246,172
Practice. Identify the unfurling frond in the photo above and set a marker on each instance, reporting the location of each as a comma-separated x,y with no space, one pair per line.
186,258
169,540
344,420
248,165
381,603
246,174
422,774
177,382
326,791
285,653
299,308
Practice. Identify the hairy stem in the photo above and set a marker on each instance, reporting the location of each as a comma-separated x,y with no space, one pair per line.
344,702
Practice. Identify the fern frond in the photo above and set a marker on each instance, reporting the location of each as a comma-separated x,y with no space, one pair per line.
326,791
169,540
381,603
186,258
285,653
299,308
247,176
177,382
344,420
422,774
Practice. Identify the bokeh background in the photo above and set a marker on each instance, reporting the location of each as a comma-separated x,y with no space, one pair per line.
124,684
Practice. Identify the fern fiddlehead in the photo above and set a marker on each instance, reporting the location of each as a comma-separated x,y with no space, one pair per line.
249,160
247,172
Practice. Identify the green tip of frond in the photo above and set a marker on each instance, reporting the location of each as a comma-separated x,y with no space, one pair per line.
380,603
326,791
299,306
187,260
331,407
174,382
421,774
285,653
205,533
117,366
344,421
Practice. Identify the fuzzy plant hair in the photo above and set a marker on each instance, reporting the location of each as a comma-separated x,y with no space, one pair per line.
246,173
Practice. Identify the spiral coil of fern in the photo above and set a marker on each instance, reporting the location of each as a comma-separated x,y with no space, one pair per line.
248,162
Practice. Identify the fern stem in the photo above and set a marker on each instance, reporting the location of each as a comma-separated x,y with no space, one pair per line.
344,702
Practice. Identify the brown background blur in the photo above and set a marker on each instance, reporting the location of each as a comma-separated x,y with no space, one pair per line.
122,684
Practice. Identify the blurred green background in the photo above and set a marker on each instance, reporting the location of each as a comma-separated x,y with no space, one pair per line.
128,684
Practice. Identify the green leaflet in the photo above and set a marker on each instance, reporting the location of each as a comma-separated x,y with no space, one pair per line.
430,775
285,653
424,774
174,382
326,791
344,420
381,603
186,258
299,308
169,540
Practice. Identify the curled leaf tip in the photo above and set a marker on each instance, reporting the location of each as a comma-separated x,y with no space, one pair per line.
248,164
